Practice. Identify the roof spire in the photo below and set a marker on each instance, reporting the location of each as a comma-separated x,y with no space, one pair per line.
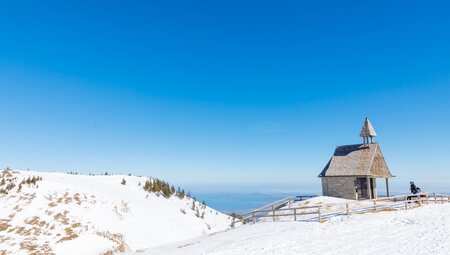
367,131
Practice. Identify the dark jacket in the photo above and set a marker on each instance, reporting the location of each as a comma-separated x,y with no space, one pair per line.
414,189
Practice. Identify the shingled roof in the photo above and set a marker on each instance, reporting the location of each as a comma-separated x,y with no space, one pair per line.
367,129
357,160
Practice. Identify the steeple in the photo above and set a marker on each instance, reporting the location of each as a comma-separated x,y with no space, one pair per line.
367,131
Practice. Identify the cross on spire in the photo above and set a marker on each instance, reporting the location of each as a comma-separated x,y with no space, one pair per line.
367,131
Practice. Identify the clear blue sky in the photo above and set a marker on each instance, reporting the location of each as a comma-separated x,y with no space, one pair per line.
225,93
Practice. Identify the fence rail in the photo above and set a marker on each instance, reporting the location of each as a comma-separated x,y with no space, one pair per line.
281,210
275,206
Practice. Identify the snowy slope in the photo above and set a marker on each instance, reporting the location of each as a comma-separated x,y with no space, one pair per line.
79,214
425,230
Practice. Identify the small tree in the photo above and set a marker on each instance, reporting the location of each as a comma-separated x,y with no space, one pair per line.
123,182
197,213
166,191
148,186
182,194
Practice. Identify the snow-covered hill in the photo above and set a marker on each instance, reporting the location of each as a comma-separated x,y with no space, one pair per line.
424,230
78,214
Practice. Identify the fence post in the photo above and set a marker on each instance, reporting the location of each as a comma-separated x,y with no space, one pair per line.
348,210
254,218
406,204
320,215
435,200
375,205
273,213
295,214
442,199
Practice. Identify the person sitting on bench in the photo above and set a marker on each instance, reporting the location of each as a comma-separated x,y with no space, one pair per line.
413,188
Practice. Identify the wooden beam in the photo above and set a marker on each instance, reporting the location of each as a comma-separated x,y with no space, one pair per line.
374,188
387,187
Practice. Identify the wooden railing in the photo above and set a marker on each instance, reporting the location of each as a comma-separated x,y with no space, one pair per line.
273,207
280,210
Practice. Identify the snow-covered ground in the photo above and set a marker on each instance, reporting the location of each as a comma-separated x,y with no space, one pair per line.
329,205
79,214
423,230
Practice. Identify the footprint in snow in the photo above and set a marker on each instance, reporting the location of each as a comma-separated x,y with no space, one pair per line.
409,222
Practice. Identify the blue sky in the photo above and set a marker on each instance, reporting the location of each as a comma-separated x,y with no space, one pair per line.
224,94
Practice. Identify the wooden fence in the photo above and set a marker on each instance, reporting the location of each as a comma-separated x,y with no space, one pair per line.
281,210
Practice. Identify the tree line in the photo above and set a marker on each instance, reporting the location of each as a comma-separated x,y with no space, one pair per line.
160,187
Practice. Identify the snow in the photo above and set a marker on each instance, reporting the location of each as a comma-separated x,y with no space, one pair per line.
85,244
93,213
76,214
330,207
424,230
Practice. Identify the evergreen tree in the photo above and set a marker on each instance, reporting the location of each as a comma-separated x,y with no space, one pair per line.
166,191
197,213
182,194
148,186
123,182
158,187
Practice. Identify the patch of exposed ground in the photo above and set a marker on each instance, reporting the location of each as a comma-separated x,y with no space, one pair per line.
118,239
